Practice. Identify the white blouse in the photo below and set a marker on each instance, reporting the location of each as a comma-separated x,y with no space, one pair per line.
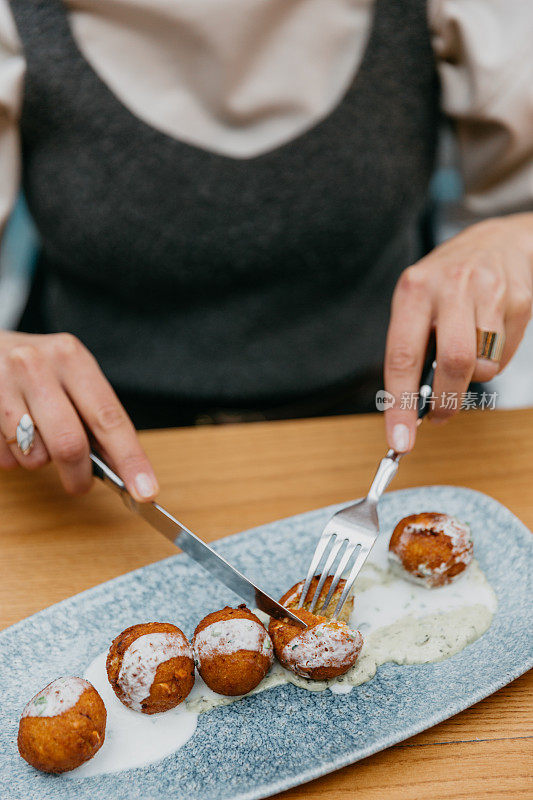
241,77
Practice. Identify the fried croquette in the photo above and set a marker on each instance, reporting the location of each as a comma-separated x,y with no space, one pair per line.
430,548
233,650
62,726
326,649
291,598
151,667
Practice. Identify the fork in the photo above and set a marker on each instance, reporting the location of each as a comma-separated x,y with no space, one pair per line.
354,529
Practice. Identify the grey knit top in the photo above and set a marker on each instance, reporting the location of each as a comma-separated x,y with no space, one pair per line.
218,280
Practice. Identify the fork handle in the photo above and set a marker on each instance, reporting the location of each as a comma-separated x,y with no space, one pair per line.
426,387
388,466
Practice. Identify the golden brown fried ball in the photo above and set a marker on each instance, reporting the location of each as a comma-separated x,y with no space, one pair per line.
62,726
430,548
151,667
326,649
291,598
233,650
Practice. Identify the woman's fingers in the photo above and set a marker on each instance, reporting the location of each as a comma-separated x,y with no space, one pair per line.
13,407
503,305
37,457
481,278
518,309
486,369
489,292
456,350
515,327
407,338
57,381
104,416
7,459
55,417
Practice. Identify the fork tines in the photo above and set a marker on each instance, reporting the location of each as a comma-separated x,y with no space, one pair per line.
335,548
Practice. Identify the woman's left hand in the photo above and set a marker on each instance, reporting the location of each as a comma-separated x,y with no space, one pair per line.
482,278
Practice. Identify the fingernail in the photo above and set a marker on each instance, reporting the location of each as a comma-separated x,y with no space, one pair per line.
146,486
437,420
400,437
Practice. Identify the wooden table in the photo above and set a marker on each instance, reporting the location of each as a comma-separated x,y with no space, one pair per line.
220,480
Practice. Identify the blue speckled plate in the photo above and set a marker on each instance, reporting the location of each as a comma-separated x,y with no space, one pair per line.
284,736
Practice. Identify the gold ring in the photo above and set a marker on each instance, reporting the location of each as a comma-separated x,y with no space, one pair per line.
489,344
25,435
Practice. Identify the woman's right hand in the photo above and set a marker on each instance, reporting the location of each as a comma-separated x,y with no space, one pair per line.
57,381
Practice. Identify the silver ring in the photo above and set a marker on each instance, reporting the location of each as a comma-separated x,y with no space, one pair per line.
25,435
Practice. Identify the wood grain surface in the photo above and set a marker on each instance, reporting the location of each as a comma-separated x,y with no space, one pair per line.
222,479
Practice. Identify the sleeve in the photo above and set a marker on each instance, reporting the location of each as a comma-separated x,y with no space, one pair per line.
12,67
484,55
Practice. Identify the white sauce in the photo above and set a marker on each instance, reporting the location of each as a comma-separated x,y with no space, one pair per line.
400,622
132,739
231,635
427,574
58,696
327,644
388,598
141,660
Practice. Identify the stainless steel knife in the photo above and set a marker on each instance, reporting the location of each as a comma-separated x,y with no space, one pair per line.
186,540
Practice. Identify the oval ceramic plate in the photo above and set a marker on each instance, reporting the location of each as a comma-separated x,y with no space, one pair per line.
284,736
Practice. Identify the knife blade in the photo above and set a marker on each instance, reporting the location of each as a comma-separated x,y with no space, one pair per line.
160,519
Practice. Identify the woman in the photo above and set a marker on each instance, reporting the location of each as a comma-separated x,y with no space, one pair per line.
227,195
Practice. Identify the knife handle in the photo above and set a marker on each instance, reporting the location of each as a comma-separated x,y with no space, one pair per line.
104,472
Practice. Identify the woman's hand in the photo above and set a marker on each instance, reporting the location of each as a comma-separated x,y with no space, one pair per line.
481,278
57,381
